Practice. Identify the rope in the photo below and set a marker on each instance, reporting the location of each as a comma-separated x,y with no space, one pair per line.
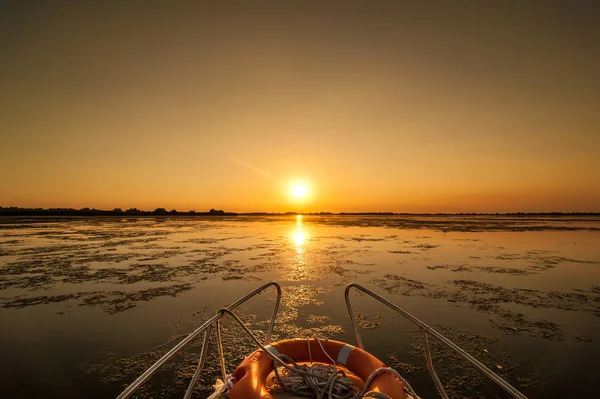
318,339
318,380
222,387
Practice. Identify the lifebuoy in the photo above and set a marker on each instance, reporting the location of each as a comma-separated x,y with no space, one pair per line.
251,374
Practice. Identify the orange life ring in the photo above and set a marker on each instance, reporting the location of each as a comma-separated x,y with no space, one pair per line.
251,374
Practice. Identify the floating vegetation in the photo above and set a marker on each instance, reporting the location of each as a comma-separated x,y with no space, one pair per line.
459,378
312,319
488,298
541,260
425,246
365,237
294,296
368,322
452,223
403,285
584,339
481,269
404,368
112,301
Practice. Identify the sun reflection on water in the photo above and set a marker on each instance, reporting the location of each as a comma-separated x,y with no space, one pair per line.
299,236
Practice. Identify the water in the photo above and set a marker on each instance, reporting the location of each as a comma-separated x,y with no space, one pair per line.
87,304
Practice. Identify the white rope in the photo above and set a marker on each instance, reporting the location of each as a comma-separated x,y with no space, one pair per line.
318,339
222,387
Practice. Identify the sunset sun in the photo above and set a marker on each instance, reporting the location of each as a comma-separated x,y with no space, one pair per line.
299,190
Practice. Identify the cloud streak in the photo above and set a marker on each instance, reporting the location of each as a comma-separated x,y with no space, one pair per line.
251,167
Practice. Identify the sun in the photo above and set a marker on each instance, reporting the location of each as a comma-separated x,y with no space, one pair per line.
299,190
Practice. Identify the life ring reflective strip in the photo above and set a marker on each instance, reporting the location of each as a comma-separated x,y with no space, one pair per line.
251,374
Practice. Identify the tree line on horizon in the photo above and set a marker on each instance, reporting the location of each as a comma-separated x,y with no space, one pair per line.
18,211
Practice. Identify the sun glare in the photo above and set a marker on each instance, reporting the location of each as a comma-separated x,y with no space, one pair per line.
299,238
299,190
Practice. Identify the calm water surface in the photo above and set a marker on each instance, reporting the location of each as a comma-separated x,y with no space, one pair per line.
87,304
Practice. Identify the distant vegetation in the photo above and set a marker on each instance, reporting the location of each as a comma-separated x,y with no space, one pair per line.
16,211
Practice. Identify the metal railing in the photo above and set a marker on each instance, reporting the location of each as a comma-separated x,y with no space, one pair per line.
209,325
426,330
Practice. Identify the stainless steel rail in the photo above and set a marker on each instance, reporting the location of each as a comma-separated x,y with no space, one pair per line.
208,325
426,330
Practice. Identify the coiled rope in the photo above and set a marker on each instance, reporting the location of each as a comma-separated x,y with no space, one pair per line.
318,381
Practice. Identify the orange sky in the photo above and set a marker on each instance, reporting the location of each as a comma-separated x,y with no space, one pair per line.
377,106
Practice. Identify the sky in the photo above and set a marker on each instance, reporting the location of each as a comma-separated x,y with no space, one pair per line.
448,106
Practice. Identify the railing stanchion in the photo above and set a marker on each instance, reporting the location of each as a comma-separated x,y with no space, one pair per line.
434,376
352,318
221,353
203,351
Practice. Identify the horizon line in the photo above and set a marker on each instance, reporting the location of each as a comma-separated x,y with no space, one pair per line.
86,211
